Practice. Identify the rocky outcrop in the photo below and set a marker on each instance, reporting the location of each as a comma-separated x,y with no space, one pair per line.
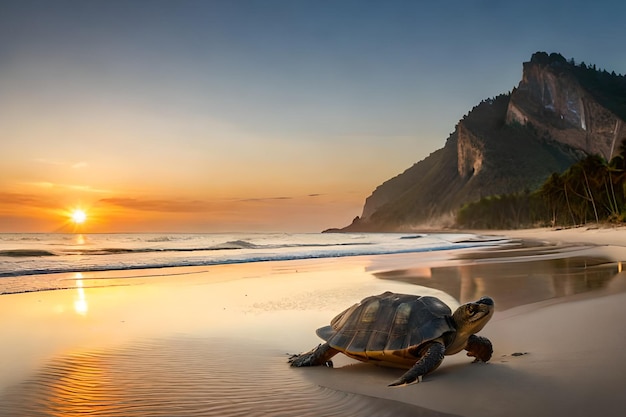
470,152
553,100
557,114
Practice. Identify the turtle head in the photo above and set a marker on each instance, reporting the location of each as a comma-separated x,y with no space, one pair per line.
470,318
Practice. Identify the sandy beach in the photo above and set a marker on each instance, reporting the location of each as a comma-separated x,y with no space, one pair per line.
214,341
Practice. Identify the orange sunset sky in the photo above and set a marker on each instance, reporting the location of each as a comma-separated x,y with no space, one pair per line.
214,116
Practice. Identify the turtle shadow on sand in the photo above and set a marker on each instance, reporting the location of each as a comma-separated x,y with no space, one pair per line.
459,387
459,369
502,384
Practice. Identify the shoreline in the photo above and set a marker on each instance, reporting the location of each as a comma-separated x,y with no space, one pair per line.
593,234
215,332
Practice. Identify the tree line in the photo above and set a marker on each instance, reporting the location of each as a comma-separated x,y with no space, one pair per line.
591,190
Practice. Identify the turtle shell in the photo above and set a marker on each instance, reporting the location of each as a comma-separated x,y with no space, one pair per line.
387,326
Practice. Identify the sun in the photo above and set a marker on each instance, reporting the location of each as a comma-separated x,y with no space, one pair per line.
78,216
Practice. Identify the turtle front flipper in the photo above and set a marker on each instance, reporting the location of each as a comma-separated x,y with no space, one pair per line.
479,347
431,357
317,356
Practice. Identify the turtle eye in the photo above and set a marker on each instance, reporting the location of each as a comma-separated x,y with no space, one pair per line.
471,309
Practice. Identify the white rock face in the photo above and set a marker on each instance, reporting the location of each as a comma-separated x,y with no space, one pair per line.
555,103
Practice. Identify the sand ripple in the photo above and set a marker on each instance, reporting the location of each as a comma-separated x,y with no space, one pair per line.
184,377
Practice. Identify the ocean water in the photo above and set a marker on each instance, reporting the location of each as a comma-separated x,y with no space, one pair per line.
25,256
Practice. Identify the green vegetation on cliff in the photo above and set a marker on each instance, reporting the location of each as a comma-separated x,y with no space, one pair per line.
592,190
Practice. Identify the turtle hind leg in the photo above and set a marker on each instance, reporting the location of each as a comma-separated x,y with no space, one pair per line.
431,358
319,355
479,347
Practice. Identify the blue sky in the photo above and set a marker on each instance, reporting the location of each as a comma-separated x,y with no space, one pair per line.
220,102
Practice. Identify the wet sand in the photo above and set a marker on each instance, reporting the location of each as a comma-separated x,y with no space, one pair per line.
214,341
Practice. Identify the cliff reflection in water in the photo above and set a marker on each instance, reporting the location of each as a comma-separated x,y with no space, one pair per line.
514,283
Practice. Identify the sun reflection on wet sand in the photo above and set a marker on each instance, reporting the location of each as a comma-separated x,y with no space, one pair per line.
80,303
183,377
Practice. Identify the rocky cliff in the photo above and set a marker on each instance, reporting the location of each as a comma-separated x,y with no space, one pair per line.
551,97
558,113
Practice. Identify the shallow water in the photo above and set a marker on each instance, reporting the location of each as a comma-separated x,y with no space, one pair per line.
185,377
518,276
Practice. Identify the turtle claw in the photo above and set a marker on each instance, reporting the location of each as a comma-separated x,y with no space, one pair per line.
479,348
319,355
300,360
306,360
403,381
396,383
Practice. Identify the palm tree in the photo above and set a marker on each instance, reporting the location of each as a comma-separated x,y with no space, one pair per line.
554,194
577,192
617,174
594,173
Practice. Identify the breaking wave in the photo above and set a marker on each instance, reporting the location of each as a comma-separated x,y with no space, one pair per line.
27,255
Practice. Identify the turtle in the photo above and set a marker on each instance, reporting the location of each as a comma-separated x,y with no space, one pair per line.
403,331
